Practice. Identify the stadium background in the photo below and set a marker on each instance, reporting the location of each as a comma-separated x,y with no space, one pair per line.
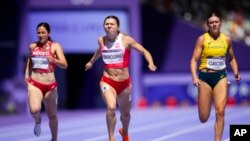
168,29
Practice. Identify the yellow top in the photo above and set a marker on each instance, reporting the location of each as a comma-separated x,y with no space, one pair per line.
213,52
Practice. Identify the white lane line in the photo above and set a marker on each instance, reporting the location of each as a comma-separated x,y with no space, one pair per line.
181,119
133,130
202,126
78,126
7,131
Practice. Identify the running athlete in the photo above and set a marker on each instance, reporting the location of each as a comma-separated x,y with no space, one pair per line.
40,78
212,48
115,83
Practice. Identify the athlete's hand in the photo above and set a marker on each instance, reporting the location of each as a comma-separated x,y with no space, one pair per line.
88,66
152,67
196,82
237,77
51,59
26,79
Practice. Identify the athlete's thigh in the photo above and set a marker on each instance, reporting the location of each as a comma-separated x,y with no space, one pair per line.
108,94
220,92
50,101
124,99
35,97
204,97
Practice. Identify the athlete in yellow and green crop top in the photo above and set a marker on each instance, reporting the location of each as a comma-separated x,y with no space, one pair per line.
211,49
213,52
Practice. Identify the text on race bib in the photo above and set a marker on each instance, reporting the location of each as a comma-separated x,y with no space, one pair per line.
216,63
112,56
40,62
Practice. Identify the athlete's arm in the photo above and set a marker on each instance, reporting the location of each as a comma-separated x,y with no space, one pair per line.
96,55
232,60
28,65
133,44
195,58
60,59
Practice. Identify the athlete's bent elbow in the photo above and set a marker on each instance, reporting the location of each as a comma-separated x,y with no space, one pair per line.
65,66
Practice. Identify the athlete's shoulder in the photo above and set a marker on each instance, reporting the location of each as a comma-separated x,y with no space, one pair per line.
100,38
205,34
32,45
224,35
55,44
126,37
201,38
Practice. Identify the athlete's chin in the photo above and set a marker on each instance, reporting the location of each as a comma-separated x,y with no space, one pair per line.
111,32
42,41
215,30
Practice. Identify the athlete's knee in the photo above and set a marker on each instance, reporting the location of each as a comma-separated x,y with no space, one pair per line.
125,118
203,118
125,113
52,117
35,111
220,112
111,110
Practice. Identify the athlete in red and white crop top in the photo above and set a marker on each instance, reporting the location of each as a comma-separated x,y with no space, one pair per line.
39,58
115,84
115,55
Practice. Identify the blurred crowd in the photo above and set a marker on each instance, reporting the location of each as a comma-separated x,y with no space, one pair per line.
13,95
236,23
236,18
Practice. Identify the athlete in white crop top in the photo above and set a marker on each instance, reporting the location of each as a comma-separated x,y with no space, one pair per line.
115,54
115,85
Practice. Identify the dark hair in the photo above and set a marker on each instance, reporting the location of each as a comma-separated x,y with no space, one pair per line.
215,13
113,17
47,26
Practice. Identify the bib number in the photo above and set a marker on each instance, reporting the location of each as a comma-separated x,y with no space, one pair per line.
115,57
216,63
40,62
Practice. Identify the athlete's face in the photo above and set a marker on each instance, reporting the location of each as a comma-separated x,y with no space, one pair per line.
42,34
110,26
214,24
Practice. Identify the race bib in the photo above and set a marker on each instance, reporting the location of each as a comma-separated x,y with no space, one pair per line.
111,57
40,62
216,63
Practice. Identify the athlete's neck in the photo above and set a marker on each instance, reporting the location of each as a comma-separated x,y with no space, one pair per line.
111,38
214,35
41,44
